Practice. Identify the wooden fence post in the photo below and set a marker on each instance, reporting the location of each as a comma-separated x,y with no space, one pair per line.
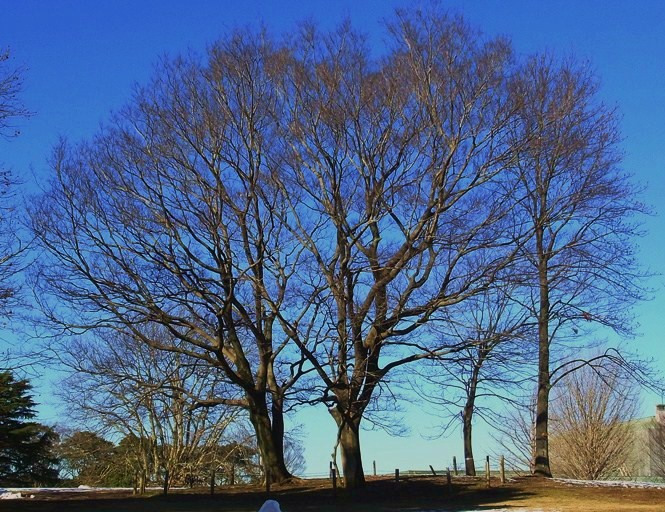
397,476
374,465
334,481
432,470
502,469
448,479
487,469
455,465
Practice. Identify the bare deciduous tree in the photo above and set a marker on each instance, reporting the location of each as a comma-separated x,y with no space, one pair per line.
303,193
492,360
123,387
391,169
591,436
581,211
168,216
514,431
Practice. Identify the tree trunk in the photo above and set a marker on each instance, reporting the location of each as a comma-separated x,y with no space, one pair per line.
166,482
467,415
349,442
541,455
273,461
277,428
467,419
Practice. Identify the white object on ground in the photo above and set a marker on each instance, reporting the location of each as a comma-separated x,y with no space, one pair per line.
270,506
611,483
10,496
498,510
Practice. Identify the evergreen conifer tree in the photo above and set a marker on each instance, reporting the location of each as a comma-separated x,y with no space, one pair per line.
26,447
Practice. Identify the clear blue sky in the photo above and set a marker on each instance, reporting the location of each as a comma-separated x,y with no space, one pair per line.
83,56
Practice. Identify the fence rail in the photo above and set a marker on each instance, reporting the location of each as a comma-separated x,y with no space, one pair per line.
497,468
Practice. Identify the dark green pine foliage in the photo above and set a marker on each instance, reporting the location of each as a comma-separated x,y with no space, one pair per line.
26,447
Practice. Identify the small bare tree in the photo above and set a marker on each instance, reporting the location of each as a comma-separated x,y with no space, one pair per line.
591,435
514,432
492,361
153,398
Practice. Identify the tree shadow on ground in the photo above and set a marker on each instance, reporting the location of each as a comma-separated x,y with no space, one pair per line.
380,495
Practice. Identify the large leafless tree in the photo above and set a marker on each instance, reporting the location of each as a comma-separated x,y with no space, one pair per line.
581,212
393,171
168,216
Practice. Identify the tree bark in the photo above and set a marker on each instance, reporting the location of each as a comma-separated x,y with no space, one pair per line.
348,432
541,455
277,429
542,458
352,466
467,416
273,463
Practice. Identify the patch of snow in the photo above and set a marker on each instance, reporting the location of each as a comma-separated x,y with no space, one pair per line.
11,496
611,483
494,510
81,488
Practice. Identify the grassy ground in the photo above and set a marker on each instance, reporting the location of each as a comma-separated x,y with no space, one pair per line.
382,495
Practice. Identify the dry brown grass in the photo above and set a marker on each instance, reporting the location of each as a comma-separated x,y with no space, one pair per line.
382,495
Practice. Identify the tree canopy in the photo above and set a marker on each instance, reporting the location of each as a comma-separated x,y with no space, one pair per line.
298,213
